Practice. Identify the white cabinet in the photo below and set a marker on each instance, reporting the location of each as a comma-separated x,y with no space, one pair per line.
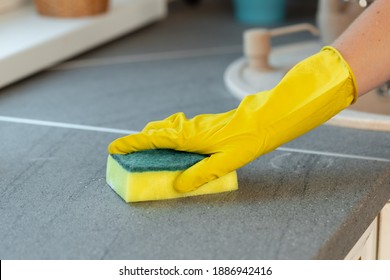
375,241
366,247
384,233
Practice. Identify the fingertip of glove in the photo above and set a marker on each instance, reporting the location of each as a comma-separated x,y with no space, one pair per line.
110,150
113,149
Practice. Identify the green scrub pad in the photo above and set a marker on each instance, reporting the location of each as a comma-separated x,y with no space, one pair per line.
149,175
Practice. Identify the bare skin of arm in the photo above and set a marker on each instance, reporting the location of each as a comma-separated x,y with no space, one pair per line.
365,45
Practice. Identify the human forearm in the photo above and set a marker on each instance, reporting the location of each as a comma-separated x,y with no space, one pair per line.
365,45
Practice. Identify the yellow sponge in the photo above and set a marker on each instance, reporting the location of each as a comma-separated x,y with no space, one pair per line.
149,175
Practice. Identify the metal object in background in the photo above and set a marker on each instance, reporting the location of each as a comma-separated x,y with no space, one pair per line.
362,3
384,90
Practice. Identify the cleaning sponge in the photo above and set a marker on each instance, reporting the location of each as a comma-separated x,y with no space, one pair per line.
149,175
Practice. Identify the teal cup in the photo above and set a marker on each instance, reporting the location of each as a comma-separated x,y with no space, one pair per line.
260,11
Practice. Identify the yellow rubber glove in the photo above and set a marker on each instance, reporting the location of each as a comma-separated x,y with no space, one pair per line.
311,93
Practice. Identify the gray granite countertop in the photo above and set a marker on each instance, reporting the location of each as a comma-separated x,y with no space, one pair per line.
55,204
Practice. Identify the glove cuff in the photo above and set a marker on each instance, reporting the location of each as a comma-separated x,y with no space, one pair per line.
345,64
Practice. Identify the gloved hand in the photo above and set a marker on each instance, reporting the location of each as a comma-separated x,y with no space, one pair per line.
312,92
